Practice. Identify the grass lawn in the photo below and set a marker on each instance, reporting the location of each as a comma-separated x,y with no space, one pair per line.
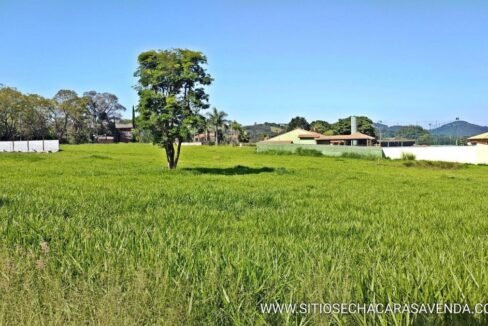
104,234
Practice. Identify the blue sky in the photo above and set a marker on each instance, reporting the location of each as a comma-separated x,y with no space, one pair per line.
395,61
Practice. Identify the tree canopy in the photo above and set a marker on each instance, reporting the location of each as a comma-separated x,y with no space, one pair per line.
171,94
320,126
66,116
217,120
298,122
364,125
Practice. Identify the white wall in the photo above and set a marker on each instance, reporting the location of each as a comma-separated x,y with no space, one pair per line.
191,144
31,146
461,154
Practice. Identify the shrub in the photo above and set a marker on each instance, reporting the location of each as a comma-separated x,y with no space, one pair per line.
441,165
308,152
275,152
408,156
359,156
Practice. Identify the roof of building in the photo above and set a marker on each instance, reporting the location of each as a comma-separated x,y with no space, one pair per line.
123,125
290,136
479,137
310,134
354,136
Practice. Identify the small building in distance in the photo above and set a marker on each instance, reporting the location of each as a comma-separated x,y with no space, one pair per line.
354,139
297,136
124,132
479,139
396,142
304,137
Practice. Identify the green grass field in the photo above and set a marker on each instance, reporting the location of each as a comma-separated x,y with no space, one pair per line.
104,234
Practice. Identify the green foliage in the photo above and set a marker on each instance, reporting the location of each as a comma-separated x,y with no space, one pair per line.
171,94
435,165
425,139
408,156
320,126
217,120
307,152
412,132
364,125
103,109
299,151
298,122
258,132
67,117
23,116
104,235
359,156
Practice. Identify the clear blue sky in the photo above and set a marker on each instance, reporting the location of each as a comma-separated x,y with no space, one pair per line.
396,61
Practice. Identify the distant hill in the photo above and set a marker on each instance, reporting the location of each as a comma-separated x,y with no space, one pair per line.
459,129
259,131
452,129
386,131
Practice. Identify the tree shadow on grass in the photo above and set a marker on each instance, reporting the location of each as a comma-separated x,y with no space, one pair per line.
236,170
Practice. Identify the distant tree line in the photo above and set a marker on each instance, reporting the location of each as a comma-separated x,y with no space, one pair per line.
67,116
420,134
341,127
366,126
211,128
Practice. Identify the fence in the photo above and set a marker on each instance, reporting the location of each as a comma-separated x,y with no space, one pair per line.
461,154
328,150
30,146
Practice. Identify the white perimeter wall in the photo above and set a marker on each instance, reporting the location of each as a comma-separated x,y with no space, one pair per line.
461,154
31,146
191,144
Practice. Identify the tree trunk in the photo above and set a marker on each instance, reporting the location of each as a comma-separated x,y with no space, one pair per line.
170,155
216,136
178,150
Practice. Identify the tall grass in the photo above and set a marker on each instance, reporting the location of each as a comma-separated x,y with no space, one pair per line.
103,234
406,156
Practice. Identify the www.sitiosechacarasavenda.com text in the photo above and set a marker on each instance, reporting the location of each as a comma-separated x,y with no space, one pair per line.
373,308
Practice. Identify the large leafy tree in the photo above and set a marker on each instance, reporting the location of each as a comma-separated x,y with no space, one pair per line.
103,109
12,103
364,125
237,132
298,122
67,116
319,126
62,111
171,93
217,119
35,117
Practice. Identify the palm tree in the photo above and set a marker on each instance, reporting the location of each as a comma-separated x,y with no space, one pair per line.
217,119
236,130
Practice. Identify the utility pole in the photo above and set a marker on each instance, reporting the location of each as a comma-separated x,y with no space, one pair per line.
380,122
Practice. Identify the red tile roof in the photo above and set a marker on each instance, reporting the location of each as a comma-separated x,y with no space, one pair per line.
310,135
354,136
